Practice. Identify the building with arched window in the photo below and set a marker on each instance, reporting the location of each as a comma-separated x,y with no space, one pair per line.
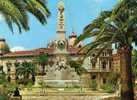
59,52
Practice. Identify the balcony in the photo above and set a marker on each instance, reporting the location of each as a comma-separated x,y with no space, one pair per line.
99,70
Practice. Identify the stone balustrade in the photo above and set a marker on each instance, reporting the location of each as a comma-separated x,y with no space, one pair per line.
98,70
15,98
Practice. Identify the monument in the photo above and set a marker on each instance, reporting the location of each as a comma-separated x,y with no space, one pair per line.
60,73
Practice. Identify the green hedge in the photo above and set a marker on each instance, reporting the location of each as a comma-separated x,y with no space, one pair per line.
93,84
107,88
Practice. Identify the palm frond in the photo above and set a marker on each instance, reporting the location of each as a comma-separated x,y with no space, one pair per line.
38,9
15,12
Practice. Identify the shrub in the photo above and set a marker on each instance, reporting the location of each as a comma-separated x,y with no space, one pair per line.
30,84
2,79
16,92
75,86
2,97
93,84
107,88
113,79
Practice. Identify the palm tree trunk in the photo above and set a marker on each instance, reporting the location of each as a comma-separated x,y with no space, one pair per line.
43,69
127,92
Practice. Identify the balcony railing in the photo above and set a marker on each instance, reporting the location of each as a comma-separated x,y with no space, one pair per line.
99,70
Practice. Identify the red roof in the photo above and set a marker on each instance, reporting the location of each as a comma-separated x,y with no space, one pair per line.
29,53
19,53
35,52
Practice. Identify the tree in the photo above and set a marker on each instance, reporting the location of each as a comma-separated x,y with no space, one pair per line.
119,27
42,60
134,63
2,76
16,64
16,12
77,65
26,69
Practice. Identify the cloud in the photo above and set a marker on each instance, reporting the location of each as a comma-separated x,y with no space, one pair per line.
1,18
17,48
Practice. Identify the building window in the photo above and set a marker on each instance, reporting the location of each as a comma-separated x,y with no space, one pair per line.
8,69
94,77
104,81
93,61
1,69
105,54
9,79
104,64
93,55
110,65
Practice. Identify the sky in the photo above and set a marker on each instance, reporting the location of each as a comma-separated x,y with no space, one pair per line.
78,14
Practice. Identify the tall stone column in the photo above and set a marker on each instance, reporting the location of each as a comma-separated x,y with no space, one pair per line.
61,21
98,80
107,64
13,74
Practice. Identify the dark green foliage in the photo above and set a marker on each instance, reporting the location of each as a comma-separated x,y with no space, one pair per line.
3,97
77,65
119,27
108,88
112,83
30,83
25,69
16,64
42,59
3,79
6,90
93,84
113,79
16,92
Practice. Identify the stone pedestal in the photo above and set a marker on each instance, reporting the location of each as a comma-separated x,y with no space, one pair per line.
16,98
13,77
98,80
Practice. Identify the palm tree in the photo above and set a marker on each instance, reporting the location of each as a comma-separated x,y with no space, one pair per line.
42,60
16,12
134,63
118,27
25,69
